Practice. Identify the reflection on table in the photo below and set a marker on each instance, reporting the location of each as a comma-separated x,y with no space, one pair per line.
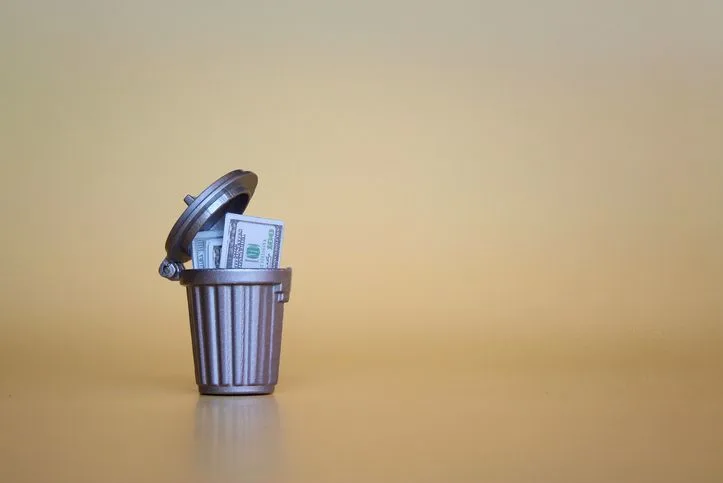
233,433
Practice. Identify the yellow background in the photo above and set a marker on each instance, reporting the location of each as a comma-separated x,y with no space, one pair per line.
474,193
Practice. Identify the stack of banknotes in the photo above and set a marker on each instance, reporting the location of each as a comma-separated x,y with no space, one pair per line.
243,242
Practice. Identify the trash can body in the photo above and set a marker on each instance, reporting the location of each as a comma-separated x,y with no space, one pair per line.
236,319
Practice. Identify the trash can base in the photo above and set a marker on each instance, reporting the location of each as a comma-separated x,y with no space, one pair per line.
236,390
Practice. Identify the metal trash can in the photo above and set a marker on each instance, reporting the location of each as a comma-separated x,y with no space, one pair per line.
236,315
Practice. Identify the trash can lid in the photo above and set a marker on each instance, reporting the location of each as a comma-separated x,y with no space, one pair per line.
229,194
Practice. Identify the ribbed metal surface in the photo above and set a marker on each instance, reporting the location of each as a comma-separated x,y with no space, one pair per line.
236,334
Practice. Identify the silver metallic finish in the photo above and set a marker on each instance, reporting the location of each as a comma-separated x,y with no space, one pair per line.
170,270
236,390
236,320
235,315
230,193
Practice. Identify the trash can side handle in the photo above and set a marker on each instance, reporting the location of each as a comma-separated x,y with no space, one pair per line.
283,291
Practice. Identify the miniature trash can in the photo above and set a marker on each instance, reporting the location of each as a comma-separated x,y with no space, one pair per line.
236,315
236,318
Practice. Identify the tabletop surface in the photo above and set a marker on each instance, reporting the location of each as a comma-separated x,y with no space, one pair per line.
431,413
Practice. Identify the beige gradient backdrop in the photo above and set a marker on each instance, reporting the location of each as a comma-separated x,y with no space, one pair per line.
467,186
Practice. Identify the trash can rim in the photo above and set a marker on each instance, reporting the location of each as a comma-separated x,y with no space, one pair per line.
235,276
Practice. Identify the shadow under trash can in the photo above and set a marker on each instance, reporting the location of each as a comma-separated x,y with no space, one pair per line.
236,315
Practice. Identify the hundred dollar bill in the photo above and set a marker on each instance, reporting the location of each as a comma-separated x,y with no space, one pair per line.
250,242
206,249
213,251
